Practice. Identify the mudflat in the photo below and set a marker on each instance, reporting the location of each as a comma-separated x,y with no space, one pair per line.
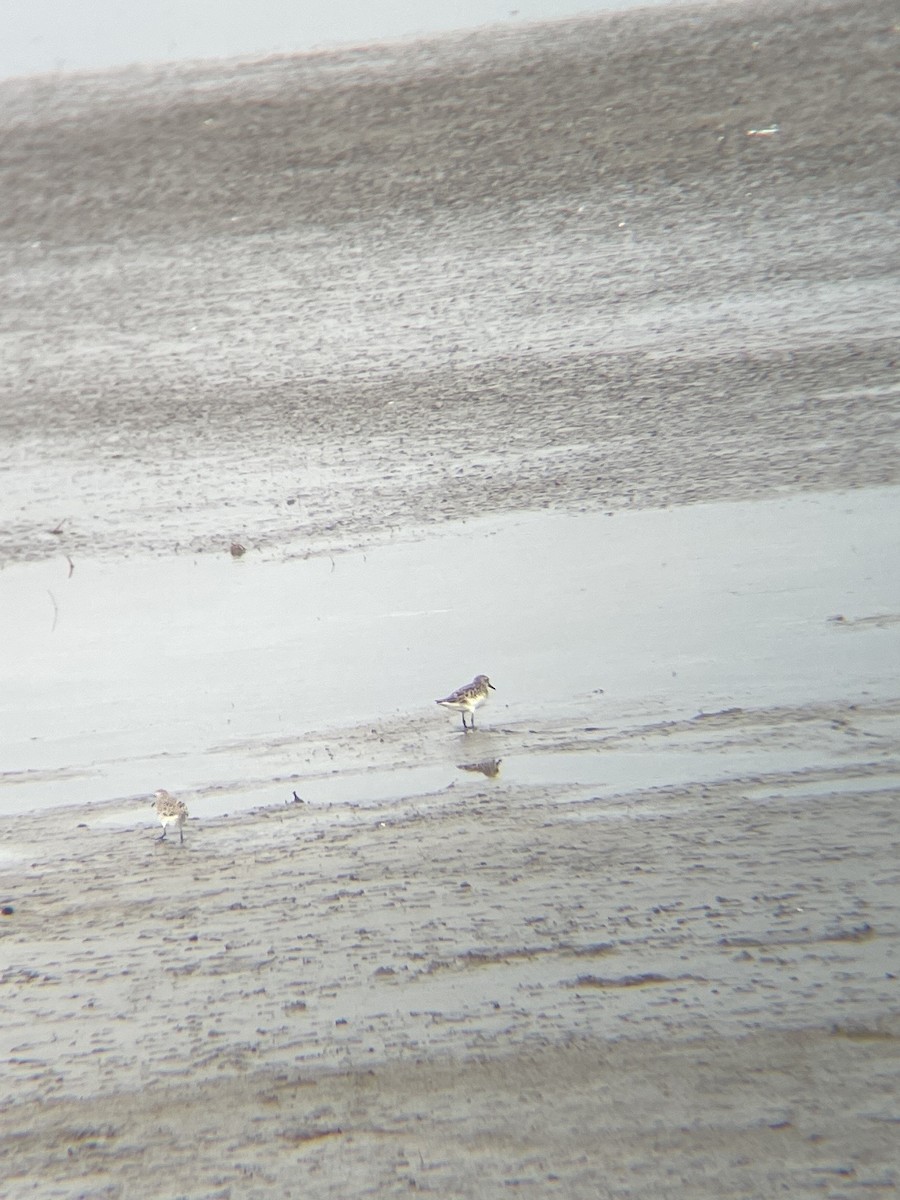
370,313
639,259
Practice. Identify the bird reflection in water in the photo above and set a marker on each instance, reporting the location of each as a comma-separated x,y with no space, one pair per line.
490,767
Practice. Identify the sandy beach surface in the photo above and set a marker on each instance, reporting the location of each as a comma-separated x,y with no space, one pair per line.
564,353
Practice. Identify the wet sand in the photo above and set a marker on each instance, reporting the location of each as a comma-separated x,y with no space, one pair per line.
686,989
311,302
637,935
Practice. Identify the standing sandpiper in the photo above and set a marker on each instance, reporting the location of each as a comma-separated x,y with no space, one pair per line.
467,699
170,812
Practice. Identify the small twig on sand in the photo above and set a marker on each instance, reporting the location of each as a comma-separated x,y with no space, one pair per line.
58,528
71,566
55,610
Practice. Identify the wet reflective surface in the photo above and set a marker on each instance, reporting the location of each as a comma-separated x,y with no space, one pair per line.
227,679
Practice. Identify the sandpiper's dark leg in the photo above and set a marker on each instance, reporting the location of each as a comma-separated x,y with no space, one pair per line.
463,715
181,834
162,836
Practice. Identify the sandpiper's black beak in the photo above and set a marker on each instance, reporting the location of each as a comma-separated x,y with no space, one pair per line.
491,686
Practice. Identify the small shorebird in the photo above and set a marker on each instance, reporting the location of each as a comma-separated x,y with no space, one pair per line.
466,699
170,812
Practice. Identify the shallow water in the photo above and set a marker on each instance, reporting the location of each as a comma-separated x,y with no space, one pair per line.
594,774
205,673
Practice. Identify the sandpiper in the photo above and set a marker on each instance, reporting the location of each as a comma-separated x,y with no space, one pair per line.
170,812
466,699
